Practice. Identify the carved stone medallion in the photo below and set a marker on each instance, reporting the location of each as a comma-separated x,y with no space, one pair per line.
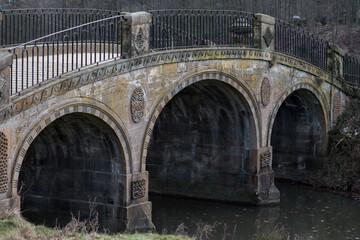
137,105
336,106
265,91
3,163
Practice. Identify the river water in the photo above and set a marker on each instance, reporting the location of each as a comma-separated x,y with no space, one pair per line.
302,212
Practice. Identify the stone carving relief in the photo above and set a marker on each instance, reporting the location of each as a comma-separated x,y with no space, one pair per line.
268,37
82,79
137,105
336,106
2,87
265,91
140,41
138,189
265,159
334,64
3,163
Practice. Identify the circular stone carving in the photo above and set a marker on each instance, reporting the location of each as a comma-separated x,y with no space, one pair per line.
3,163
265,91
137,105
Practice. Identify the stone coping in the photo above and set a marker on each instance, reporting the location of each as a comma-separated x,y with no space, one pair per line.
6,59
93,73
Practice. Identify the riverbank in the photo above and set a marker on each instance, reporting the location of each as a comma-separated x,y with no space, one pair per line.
14,227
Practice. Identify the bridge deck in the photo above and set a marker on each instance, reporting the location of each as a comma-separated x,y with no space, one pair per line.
27,72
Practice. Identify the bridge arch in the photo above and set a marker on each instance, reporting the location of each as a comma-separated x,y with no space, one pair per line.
70,106
298,125
227,78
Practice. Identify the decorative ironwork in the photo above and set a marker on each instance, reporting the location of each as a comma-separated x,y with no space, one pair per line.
268,37
352,70
23,25
68,50
295,41
138,189
191,28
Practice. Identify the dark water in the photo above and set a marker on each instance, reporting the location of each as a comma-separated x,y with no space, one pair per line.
302,211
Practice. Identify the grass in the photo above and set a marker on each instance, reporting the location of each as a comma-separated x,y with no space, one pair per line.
278,232
14,227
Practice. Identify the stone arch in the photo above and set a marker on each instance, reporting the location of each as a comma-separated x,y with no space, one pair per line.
299,85
70,106
227,78
298,131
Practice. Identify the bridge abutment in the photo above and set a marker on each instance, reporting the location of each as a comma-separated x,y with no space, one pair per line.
264,32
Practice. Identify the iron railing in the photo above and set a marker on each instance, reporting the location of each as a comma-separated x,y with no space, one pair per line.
58,53
295,41
351,70
67,50
172,29
23,25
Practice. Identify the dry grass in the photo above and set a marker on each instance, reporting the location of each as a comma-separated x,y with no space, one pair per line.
14,227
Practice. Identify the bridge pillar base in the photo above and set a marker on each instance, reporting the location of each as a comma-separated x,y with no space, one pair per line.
139,218
267,194
10,203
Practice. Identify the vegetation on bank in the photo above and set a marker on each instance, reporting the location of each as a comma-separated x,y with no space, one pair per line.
14,227
341,169
341,166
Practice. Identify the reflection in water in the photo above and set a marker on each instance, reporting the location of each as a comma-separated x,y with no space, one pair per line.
302,211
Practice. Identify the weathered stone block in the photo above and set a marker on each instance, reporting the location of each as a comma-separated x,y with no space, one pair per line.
135,34
5,63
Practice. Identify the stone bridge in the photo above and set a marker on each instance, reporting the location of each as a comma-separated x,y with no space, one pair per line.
210,122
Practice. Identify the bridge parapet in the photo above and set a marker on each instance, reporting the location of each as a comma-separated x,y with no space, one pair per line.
264,30
5,63
135,39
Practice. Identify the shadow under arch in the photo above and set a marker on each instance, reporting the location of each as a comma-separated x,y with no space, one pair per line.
201,140
298,131
239,85
75,154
